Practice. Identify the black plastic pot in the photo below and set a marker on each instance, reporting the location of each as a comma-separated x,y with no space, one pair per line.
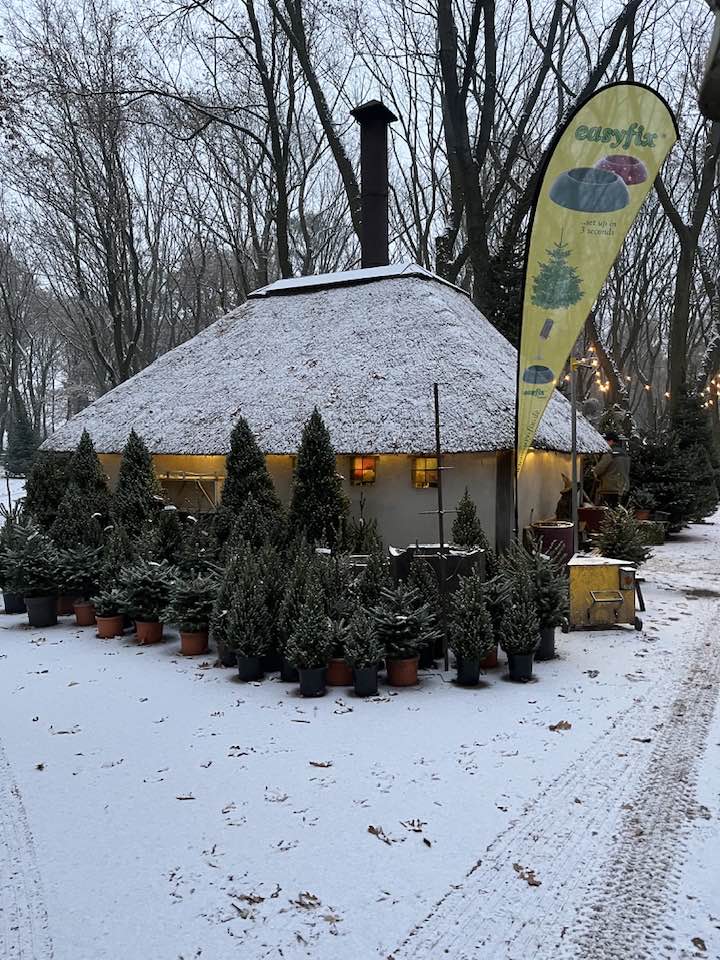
468,671
249,668
427,658
271,662
13,603
366,681
226,655
41,611
546,649
312,682
288,672
520,666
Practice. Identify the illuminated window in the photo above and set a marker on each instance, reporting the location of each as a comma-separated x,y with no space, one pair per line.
362,470
425,472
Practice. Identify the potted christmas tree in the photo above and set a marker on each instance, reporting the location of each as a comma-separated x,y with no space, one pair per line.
471,629
520,630
404,626
146,586
337,578
363,652
137,497
12,533
291,607
35,573
310,642
423,582
81,570
318,505
108,605
273,575
467,530
221,609
191,606
248,628
643,501
497,597
551,597
621,537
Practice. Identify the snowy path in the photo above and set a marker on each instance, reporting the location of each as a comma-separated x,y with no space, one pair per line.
181,814
23,918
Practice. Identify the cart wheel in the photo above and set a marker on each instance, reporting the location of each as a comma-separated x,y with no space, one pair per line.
638,623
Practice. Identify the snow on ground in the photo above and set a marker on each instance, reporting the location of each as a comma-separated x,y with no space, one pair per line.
152,806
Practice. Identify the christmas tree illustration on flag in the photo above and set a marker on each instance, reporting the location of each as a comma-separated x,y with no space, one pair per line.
557,284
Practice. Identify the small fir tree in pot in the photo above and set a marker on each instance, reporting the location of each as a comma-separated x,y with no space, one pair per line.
274,576
34,563
137,497
373,580
404,626
191,606
363,652
471,629
423,580
338,581
318,505
520,629
467,530
221,609
81,570
549,578
248,630
291,607
109,604
310,644
13,531
621,537
147,586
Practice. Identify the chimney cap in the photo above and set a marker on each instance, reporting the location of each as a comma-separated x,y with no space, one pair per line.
374,111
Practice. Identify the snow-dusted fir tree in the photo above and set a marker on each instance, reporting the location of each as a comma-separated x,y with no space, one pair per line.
318,504
75,524
467,530
45,488
557,284
246,474
137,495
89,477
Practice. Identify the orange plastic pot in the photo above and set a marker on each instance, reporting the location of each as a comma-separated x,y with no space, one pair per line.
84,613
339,674
148,631
108,627
193,644
402,673
490,661
65,606
642,514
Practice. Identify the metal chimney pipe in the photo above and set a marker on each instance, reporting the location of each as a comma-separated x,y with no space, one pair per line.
374,118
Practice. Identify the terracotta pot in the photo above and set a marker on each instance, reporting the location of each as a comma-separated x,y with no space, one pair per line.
642,514
148,631
108,627
402,673
65,605
41,611
491,660
193,643
339,674
84,613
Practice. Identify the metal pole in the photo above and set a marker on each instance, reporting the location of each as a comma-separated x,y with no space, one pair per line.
573,445
441,530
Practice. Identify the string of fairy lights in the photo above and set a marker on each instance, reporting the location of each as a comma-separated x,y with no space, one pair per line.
711,392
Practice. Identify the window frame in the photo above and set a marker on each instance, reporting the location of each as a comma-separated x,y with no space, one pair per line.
368,463
428,483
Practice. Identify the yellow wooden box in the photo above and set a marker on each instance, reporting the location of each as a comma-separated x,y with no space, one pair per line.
602,592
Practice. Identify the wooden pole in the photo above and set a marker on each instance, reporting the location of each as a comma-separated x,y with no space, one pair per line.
441,531
573,454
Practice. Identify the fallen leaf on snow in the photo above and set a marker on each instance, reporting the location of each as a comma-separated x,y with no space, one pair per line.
380,834
527,875
643,739
307,901
320,763
251,898
414,825
185,796
561,725
699,943
427,842
39,766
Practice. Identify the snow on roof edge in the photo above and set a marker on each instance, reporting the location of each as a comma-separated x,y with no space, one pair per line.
349,278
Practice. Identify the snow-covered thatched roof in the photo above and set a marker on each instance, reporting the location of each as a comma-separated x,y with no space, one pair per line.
364,347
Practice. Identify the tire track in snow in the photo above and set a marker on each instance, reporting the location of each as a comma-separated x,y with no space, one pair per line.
24,931
607,864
